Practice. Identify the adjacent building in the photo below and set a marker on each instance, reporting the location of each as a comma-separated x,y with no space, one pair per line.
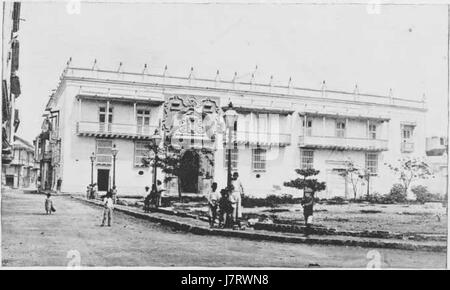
10,79
22,171
437,159
279,129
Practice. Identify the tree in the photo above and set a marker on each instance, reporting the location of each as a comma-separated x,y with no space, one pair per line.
352,174
409,170
306,181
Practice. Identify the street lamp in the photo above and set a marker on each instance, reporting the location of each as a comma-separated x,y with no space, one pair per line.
92,157
230,117
114,154
156,140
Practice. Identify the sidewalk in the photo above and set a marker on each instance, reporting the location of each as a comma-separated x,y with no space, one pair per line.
198,225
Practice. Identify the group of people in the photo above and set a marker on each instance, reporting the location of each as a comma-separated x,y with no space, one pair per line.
91,191
227,205
153,197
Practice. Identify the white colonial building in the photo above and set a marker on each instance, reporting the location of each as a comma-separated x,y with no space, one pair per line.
279,129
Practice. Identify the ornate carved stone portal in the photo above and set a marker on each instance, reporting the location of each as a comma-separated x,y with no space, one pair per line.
192,123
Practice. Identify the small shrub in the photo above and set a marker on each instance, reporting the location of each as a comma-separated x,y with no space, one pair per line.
423,195
397,194
269,201
377,198
336,200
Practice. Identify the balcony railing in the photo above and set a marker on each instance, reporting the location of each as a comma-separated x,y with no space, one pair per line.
347,143
407,147
262,138
213,83
97,129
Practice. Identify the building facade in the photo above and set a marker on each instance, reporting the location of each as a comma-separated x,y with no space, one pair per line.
10,79
22,171
437,159
279,129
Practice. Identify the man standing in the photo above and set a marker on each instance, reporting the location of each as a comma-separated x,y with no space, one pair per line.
236,182
58,185
159,191
108,204
114,194
235,200
213,203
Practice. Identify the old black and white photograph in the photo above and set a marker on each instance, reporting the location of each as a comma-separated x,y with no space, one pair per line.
225,135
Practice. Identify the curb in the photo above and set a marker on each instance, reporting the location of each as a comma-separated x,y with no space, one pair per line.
198,230
284,228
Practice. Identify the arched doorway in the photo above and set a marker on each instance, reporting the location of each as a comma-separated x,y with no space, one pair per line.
189,168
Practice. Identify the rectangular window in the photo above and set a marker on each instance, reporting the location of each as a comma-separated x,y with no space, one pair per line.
372,163
102,118
307,127
407,138
259,159
234,158
104,151
140,152
102,115
306,159
143,121
340,128
372,131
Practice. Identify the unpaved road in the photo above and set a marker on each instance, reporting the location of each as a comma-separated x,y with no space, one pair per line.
31,238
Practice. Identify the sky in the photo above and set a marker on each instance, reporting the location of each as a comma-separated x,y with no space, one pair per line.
402,47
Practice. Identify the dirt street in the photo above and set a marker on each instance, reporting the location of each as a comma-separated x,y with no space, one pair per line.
31,238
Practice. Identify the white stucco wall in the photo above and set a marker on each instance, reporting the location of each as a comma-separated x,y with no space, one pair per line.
281,161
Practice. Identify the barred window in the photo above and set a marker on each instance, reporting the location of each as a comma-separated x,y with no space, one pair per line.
140,151
234,158
259,159
372,163
104,151
306,159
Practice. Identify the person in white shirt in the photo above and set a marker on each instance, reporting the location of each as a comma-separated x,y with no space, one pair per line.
108,204
237,184
236,203
213,198
159,191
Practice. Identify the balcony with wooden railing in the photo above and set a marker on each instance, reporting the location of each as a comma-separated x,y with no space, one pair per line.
343,143
114,130
261,138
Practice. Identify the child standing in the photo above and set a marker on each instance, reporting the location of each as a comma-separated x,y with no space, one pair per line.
225,209
213,198
147,199
108,204
49,204
308,204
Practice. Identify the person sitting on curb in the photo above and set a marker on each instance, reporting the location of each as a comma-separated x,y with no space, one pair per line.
108,204
213,203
